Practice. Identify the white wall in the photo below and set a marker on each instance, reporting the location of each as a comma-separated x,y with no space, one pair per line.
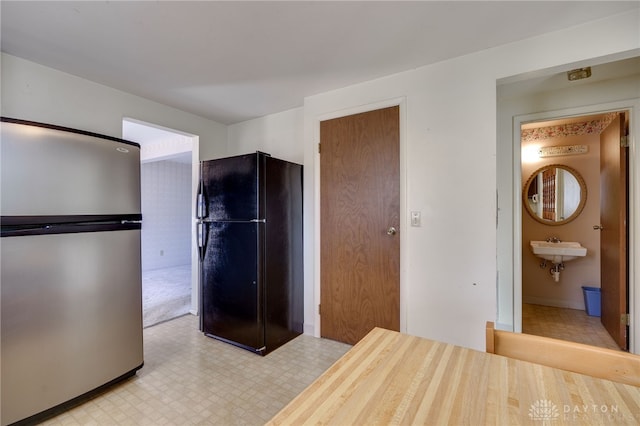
166,213
448,149
280,135
34,92
448,161
166,148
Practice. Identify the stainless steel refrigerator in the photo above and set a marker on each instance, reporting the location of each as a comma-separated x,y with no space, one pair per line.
71,295
250,240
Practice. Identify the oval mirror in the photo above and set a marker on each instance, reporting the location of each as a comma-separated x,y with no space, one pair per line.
554,194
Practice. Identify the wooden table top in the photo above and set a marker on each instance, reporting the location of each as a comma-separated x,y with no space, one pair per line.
392,378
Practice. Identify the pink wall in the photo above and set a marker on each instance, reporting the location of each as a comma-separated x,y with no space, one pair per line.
538,285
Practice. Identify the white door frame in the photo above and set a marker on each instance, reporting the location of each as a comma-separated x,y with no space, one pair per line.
195,259
195,179
633,106
404,222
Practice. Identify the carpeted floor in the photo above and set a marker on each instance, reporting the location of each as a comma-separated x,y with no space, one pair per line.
166,294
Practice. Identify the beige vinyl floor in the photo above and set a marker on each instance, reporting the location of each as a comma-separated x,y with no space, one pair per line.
566,324
191,379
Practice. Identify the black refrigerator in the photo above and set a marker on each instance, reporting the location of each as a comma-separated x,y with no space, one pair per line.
250,243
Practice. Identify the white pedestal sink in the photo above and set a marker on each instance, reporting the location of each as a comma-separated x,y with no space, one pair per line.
558,253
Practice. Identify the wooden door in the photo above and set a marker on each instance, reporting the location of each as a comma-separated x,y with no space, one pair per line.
613,240
359,220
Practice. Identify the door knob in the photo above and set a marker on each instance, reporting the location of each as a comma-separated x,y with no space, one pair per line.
391,231
598,227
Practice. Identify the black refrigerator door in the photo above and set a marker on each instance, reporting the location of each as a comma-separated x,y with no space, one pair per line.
231,187
284,314
231,283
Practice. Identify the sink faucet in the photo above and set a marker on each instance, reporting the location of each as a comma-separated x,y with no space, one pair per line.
553,239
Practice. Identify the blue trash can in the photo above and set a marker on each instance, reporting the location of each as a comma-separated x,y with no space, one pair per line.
592,300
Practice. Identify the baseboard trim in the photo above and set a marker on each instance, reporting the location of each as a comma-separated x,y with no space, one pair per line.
309,329
556,303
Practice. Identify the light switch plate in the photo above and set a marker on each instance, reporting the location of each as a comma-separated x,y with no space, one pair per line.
415,218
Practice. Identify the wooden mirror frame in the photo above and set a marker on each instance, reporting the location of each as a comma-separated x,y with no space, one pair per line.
583,195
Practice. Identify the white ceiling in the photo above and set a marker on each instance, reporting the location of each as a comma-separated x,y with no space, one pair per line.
233,61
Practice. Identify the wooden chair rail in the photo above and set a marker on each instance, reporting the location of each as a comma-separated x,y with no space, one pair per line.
617,366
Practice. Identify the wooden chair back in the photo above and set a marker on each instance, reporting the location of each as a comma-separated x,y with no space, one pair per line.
609,364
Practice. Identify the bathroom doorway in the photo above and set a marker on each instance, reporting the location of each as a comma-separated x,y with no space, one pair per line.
169,165
588,206
544,95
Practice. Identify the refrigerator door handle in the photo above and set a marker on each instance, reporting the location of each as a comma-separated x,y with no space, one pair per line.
201,239
200,206
200,201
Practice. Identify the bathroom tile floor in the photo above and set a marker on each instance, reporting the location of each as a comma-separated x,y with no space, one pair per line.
191,379
566,324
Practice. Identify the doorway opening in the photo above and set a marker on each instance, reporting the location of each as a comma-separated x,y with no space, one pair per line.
568,194
168,170
545,95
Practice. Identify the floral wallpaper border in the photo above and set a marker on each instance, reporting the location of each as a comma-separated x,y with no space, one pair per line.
569,129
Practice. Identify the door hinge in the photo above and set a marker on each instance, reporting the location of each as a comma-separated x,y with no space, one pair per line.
319,311
624,142
625,319
318,148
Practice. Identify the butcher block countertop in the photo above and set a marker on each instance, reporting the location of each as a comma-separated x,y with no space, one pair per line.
391,378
